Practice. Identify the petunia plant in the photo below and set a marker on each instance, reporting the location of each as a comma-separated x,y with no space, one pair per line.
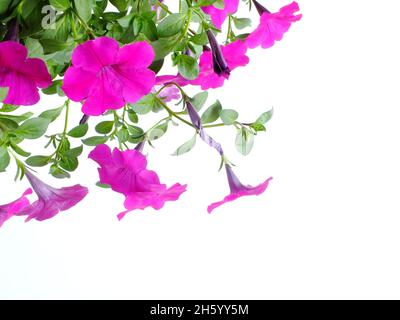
105,60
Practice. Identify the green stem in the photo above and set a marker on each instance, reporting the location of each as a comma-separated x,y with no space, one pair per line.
66,117
89,31
164,7
174,114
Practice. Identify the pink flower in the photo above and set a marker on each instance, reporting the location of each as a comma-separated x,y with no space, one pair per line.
272,26
50,200
238,189
9,210
218,16
107,76
167,94
234,55
21,74
126,173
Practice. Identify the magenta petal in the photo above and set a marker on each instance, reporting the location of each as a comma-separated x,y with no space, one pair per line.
138,55
37,71
155,199
218,16
235,54
22,90
245,191
136,83
105,94
78,83
273,26
13,55
9,210
95,54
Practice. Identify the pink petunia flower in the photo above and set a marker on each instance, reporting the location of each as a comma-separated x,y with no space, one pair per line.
238,189
9,210
272,26
214,70
218,16
126,173
105,76
167,94
51,200
22,75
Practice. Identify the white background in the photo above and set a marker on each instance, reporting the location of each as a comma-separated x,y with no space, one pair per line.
327,227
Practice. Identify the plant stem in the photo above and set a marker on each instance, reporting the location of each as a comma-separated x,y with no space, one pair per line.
174,114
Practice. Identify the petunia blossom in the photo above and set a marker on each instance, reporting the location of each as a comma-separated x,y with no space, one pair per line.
238,189
105,76
21,75
234,55
126,173
167,94
217,15
11,209
51,200
272,26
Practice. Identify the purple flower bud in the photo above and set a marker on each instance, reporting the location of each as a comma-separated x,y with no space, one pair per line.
84,119
220,65
196,121
261,9
13,31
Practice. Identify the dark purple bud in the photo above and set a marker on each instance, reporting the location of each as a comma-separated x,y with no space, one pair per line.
139,147
12,31
196,121
261,9
84,119
220,65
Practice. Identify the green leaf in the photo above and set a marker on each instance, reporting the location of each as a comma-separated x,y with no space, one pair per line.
8,124
199,100
69,164
79,131
258,126
104,127
241,23
135,131
34,47
133,117
3,93
123,135
228,116
38,161
94,141
144,105
244,141
59,173
103,185
4,158
4,4
54,88
188,67
121,5
33,128
74,152
84,9
8,108
212,113
186,147
19,118
171,25
18,150
52,114
163,47
158,132
60,4
265,117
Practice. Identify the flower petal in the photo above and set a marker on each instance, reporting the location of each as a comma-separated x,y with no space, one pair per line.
95,54
22,90
136,56
78,83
